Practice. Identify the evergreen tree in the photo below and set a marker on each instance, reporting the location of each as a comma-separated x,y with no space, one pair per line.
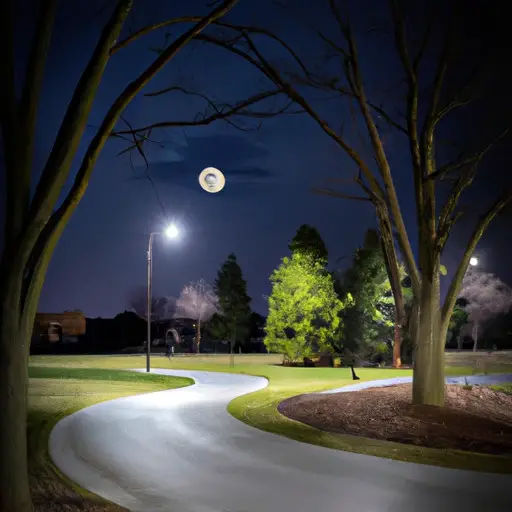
232,322
458,320
308,240
369,321
304,310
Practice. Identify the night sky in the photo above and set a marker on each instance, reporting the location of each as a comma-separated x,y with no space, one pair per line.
101,258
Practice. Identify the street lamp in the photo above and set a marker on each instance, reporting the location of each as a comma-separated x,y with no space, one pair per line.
170,232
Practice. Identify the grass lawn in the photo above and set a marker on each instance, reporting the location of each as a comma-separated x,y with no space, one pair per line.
57,392
505,388
260,409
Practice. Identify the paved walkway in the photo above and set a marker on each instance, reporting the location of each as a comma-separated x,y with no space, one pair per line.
181,451
473,379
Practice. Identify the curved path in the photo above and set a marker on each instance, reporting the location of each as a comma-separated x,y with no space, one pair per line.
472,380
181,451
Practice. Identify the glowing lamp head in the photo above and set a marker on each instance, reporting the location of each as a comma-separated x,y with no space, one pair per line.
171,231
473,261
212,180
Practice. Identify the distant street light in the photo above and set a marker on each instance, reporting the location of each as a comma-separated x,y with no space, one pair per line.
171,231
473,261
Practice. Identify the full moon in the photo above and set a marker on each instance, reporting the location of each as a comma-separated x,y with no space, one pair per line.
473,261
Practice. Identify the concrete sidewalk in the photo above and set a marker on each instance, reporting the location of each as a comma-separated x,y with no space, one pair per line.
181,451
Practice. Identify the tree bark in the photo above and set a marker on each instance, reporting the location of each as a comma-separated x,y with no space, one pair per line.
428,339
397,346
14,483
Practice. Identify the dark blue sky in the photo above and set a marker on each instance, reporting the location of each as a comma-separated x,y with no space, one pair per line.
101,257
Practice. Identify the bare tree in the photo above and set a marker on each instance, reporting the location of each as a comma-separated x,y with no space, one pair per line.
427,99
198,302
35,219
161,307
487,297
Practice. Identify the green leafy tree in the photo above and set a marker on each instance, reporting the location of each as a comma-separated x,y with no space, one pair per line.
437,86
370,321
232,322
458,320
308,240
304,309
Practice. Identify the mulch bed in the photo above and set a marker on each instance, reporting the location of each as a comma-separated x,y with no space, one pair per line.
477,419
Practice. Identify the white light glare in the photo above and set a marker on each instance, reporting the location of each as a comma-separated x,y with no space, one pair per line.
171,231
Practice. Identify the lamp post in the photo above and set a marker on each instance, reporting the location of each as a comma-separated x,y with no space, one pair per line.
170,232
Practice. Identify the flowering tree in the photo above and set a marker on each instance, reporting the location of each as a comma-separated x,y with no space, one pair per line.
487,296
198,302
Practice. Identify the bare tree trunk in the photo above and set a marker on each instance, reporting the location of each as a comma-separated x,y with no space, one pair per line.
397,345
459,342
198,336
428,376
391,263
15,491
475,336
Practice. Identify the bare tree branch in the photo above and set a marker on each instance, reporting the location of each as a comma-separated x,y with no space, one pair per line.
482,225
32,90
434,112
465,160
220,108
17,180
332,85
273,75
383,164
57,167
19,119
49,235
259,61
138,142
412,105
334,193
221,24
197,301
429,21
220,113
151,28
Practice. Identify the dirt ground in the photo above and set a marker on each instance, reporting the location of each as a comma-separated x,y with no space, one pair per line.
477,419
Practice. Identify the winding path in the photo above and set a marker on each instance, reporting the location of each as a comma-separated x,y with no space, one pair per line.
181,451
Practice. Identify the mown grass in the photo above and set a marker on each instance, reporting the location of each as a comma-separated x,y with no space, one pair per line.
42,372
157,361
259,409
57,392
504,388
